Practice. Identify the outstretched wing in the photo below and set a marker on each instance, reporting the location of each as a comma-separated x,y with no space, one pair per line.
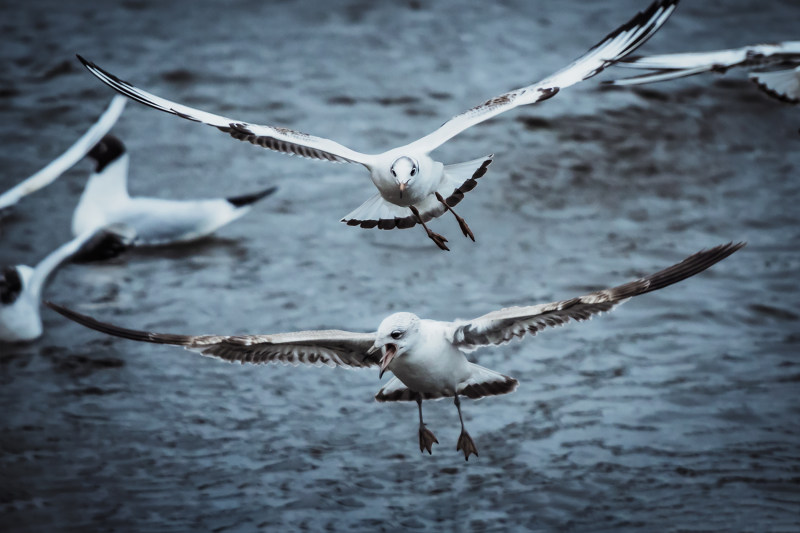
672,66
65,161
615,46
93,244
323,347
501,326
275,138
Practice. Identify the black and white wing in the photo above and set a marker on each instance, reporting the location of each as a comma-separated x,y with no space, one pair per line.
673,66
65,161
501,326
271,137
323,347
611,49
94,244
781,84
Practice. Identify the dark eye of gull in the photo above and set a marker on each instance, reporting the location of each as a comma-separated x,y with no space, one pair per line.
396,334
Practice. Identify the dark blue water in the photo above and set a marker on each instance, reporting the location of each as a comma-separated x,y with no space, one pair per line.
676,412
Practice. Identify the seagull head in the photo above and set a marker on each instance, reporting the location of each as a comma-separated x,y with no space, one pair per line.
404,169
12,281
395,334
107,150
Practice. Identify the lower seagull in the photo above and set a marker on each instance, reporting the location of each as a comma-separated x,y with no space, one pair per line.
156,221
777,67
21,286
427,357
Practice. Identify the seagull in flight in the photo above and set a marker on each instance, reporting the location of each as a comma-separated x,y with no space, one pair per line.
412,187
21,286
155,221
782,81
427,357
65,161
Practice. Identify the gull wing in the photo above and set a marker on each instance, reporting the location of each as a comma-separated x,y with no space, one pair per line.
323,347
271,137
612,48
501,326
681,65
65,161
114,240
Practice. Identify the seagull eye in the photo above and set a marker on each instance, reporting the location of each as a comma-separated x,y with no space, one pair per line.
413,170
394,173
397,334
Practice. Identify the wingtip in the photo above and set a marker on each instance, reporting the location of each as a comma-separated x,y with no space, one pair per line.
248,199
60,309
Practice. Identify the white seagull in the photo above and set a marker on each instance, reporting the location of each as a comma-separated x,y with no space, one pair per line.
65,161
783,82
21,286
155,221
427,357
413,187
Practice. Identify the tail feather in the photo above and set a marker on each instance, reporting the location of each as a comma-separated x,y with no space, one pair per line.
482,382
485,382
247,199
458,179
781,84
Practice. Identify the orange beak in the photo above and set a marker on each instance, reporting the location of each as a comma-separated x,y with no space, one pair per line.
403,188
390,350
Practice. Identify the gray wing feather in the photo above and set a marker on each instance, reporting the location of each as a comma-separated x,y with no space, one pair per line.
501,326
322,347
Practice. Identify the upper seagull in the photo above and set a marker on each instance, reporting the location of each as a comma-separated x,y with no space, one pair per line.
427,357
781,82
64,162
413,187
155,221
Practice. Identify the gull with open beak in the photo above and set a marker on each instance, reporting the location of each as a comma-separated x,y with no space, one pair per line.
413,188
427,357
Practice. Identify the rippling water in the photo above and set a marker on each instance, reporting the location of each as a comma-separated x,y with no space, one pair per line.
678,412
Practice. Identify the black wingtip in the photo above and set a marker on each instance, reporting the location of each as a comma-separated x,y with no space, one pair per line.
85,62
117,331
247,199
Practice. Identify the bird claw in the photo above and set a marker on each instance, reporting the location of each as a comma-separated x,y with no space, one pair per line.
426,439
461,222
439,240
466,445
465,228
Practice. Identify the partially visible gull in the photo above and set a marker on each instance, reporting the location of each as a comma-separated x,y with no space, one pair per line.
781,81
65,161
21,286
155,221
427,357
412,187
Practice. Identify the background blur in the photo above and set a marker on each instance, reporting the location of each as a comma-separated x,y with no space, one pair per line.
679,411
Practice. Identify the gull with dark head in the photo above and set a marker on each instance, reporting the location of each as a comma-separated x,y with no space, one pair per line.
21,286
155,221
777,67
65,161
413,188
427,357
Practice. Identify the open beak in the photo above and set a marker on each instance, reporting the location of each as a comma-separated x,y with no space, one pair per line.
389,351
